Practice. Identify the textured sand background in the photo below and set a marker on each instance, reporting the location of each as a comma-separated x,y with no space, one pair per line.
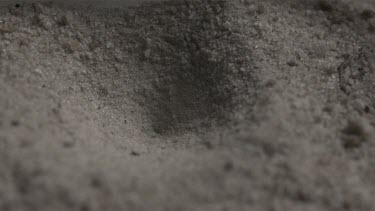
188,105
80,3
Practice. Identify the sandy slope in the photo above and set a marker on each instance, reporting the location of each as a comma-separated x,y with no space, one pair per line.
197,105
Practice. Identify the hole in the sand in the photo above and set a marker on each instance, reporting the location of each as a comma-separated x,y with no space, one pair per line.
193,64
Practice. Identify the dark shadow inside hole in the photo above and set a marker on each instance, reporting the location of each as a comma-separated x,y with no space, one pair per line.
194,88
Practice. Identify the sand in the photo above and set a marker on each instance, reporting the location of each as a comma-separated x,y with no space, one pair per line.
188,105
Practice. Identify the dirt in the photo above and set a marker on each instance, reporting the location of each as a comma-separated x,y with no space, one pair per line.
188,105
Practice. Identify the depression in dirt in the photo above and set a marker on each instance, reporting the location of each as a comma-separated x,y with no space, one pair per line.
191,105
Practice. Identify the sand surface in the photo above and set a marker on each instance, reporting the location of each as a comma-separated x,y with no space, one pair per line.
188,105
